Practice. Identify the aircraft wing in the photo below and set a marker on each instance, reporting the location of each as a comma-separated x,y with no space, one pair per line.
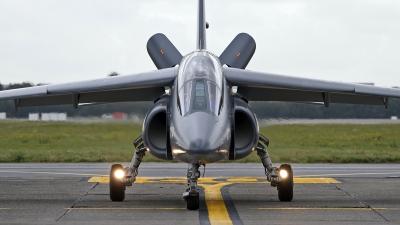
137,87
257,86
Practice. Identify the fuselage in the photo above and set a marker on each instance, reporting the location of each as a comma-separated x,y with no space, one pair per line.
200,127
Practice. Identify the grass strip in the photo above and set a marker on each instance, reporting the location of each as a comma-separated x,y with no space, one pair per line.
23,141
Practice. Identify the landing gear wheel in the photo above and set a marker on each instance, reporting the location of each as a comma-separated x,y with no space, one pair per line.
285,187
192,202
117,188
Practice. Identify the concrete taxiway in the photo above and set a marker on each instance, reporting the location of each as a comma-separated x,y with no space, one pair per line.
230,194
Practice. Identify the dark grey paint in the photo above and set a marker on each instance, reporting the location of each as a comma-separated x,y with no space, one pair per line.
257,86
245,131
201,26
139,87
372,90
156,129
163,53
246,78
200,136
23,93
239,52
157,78
287,95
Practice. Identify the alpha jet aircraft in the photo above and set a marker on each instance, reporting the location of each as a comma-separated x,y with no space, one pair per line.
198,117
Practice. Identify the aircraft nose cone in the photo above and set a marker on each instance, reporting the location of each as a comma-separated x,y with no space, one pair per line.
201,132
200,141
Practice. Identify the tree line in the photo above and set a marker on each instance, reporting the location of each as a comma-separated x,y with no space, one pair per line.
264,110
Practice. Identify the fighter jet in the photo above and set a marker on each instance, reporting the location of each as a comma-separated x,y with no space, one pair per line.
201,111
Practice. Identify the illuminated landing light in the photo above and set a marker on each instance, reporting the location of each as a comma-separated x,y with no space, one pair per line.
178,151
119,174
283,174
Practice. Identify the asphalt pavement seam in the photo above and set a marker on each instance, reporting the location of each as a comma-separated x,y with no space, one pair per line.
230,205
79,199
362,202
203,212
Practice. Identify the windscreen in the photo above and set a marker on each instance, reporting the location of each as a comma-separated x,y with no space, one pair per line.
200,83
199,102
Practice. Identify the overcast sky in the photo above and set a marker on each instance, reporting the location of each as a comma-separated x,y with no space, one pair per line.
61,41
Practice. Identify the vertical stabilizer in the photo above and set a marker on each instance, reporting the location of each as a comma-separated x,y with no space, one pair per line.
163,53
201,26
239,52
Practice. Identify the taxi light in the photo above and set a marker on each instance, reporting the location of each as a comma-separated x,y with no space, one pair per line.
178,151
119,174
283,173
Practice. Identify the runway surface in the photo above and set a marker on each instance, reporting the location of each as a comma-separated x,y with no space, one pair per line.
230,194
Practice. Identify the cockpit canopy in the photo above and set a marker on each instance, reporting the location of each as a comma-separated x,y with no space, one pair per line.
200,83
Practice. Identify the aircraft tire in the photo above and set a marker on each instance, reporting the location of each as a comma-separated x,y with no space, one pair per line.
285,187
117,188
192,202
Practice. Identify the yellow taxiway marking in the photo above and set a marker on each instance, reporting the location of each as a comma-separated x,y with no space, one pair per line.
99,179
217,212
242,180
125,209
216,180
4,208
338,208
54,173
140,180
173,180
207,179
348,174
314,180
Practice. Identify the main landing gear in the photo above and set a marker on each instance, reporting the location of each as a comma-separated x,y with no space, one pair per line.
281,177
117,188
120,177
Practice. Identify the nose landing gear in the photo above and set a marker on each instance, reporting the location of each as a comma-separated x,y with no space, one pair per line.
191,196
281,178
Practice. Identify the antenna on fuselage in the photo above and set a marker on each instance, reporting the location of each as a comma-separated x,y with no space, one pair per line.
201,26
